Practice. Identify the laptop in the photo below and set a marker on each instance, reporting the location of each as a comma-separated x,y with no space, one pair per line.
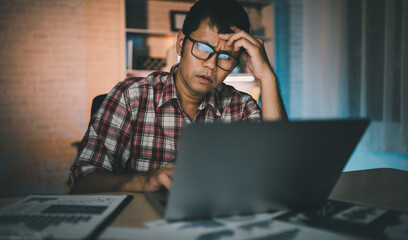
225,169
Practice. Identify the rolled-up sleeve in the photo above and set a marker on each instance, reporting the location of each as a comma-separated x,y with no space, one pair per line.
252,112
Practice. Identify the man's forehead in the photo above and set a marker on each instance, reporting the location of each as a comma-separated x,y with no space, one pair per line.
209,35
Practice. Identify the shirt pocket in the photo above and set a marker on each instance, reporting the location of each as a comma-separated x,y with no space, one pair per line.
157,148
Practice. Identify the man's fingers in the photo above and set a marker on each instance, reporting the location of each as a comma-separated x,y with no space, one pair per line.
238,34
165,174
161,177
244,43
165,179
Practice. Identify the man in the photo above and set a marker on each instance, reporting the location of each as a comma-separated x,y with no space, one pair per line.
132,139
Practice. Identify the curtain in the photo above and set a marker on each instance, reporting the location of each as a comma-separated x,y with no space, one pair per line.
324,59
354,61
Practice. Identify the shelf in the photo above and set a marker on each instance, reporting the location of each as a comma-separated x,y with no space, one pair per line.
170,33
150,31
243,2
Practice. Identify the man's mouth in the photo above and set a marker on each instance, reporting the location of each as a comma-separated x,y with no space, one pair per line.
205,79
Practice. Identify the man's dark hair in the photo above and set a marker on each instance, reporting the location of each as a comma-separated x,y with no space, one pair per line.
222,14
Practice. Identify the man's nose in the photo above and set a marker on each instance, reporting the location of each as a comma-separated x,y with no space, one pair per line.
211,62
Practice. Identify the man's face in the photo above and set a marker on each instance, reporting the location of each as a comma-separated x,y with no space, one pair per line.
199,77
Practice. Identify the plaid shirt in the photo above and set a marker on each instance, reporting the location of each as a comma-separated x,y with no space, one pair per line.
138,126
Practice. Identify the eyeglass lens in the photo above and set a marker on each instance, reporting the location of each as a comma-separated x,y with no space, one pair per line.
203,51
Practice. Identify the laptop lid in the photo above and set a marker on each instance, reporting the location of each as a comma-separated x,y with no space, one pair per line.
238,168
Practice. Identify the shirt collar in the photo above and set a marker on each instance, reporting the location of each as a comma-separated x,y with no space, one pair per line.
169,89
212,99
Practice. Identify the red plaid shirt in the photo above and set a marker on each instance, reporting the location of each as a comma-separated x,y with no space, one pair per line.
138,126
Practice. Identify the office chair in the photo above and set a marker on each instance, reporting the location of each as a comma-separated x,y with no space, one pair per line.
96,104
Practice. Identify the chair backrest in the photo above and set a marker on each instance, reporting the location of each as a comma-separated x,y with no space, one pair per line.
96,103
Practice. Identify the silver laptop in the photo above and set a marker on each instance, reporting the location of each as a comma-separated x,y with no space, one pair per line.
227,169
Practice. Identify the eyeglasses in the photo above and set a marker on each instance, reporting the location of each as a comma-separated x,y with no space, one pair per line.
204,52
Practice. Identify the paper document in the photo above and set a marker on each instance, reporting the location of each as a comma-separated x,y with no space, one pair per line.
258,226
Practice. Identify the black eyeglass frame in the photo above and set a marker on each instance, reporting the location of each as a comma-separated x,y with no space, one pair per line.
237,61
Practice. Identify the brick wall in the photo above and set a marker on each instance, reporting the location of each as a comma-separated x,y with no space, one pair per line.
55,56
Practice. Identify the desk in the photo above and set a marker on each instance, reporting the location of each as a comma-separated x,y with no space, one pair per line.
381,187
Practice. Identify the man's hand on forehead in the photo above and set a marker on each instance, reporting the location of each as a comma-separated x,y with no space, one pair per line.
256,59
237,35
254,54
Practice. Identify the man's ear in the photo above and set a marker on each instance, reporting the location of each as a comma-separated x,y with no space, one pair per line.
179,42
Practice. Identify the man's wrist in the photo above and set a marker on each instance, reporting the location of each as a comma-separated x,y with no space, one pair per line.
145,181
268,78
134,182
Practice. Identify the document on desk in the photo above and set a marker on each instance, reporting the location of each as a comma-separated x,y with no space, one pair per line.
334,220
258,226
59,216
362,220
